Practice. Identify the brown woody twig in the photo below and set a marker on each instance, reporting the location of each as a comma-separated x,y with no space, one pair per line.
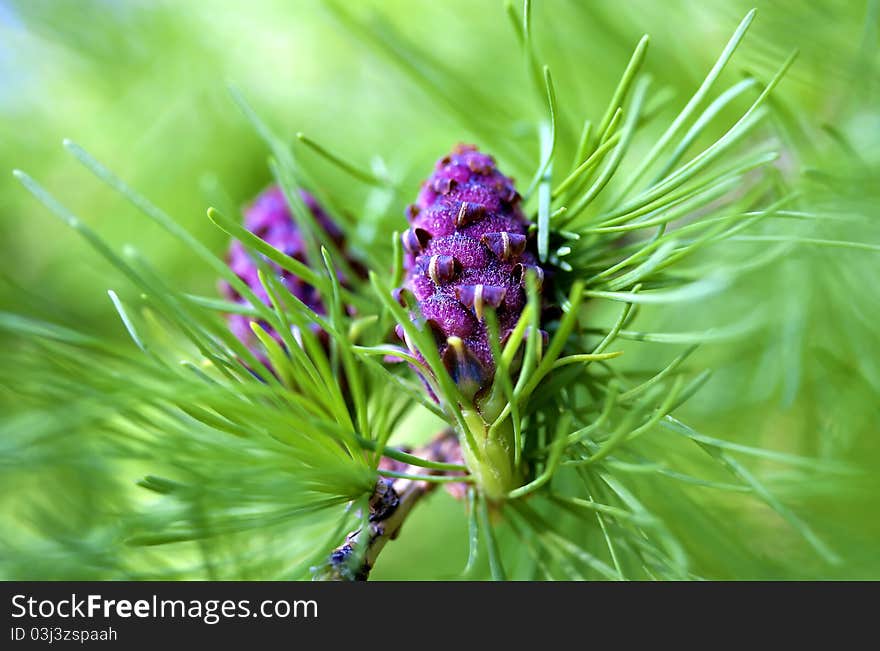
390,505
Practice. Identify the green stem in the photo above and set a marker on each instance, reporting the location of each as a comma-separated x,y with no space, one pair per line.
492,463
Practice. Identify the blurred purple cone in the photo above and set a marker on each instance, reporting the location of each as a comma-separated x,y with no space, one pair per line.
270,219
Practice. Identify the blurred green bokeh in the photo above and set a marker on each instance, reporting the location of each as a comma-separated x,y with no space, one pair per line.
143,85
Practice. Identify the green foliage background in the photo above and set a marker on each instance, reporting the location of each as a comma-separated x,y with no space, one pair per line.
143,86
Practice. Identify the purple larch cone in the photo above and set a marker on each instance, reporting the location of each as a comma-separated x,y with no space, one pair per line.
467,250
269,218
